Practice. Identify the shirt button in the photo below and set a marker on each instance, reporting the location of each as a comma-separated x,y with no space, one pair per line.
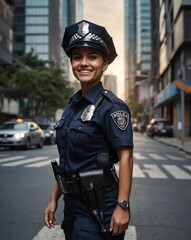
79,128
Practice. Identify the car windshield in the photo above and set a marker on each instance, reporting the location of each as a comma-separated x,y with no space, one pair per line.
45,126
14,126
164,123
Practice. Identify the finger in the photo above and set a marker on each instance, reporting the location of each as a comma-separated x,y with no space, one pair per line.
46,220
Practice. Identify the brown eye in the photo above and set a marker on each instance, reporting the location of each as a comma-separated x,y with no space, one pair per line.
76,57
93,57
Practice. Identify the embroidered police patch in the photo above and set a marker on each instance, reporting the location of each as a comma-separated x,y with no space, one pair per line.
121,119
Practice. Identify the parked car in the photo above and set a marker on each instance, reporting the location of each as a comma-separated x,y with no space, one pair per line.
159,127
49,133
21,134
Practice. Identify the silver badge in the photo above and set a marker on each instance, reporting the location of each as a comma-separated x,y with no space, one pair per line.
83,28
88,113
121,119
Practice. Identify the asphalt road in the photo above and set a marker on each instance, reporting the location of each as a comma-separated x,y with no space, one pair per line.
160,200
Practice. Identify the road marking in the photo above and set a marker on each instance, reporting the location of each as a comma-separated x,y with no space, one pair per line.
154,171
131,233
188,167
40,164
25,161
177,172
151,171
9,159
57,233
3,155
137,173
175,158
156,156
139,156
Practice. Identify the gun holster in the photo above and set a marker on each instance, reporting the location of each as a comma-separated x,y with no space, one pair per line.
91,183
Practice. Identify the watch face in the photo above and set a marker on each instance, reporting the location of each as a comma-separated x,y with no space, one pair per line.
124,204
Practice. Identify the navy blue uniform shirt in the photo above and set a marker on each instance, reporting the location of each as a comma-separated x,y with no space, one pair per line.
80,141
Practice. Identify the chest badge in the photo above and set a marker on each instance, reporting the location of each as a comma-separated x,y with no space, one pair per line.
88,113
121,119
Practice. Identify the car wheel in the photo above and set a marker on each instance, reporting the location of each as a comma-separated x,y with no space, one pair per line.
40,145
28,144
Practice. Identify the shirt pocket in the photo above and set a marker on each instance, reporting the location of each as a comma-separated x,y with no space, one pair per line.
59,128
80,135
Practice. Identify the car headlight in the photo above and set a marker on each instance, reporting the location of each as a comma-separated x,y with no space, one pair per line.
19,135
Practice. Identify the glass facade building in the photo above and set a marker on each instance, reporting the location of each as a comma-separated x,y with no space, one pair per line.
37,29
137,50
6,32
143,33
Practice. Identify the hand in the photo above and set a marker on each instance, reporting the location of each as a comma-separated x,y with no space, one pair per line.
119,221
49,218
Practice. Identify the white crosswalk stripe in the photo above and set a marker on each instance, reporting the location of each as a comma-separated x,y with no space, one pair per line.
156,156
25,161
154,171
140,168
139,156
57,233
175,158
9,159
137,173
188,167
40,164
176,172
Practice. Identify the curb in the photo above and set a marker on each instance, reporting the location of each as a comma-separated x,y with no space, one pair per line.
181,148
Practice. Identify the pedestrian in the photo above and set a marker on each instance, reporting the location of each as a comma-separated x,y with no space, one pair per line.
93,134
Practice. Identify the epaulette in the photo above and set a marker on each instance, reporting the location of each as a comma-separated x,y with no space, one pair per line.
110,95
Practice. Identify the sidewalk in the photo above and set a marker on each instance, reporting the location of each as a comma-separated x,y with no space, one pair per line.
174,142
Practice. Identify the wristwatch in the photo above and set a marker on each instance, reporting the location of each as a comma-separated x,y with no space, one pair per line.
124,204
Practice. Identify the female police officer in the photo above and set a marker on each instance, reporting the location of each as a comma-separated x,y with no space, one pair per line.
94,133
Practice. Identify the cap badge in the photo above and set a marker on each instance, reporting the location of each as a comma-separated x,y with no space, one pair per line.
121,119
83,28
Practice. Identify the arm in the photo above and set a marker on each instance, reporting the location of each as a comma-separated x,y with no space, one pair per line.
120,218
49,217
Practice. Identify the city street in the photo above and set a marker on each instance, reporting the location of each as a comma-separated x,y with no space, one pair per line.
160,200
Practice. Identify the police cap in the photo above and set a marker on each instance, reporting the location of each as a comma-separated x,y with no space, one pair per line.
88,34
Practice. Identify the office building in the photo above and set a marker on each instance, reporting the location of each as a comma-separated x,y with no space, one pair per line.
174,83
37,29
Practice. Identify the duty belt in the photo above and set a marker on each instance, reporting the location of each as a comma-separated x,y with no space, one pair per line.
72,185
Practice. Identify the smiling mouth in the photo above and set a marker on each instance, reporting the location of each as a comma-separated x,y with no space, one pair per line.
84,71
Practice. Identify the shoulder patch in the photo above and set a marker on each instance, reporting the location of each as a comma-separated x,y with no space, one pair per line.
121,119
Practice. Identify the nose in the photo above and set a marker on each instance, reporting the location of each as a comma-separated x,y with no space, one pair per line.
84,61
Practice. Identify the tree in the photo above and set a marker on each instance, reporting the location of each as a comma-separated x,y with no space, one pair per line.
40,89
135,107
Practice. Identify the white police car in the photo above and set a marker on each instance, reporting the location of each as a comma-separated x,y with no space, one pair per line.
20,133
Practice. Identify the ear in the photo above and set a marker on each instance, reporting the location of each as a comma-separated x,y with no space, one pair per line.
105,65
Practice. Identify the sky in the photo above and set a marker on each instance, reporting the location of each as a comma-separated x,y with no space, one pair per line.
110,14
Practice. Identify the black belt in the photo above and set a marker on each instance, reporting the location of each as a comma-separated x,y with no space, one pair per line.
72,185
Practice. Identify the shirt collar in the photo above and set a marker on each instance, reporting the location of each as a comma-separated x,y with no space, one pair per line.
90,95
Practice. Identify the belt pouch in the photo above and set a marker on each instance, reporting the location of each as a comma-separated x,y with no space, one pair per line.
92,188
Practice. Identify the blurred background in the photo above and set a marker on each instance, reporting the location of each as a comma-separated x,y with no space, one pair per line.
152,72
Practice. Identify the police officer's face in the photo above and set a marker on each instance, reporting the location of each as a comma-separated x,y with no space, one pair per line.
88,64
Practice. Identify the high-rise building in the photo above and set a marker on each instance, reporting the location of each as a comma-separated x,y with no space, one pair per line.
6,32
138,51
71,11
37,29
174,83
130,36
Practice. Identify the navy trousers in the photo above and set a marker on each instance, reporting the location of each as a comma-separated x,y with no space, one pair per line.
78,223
